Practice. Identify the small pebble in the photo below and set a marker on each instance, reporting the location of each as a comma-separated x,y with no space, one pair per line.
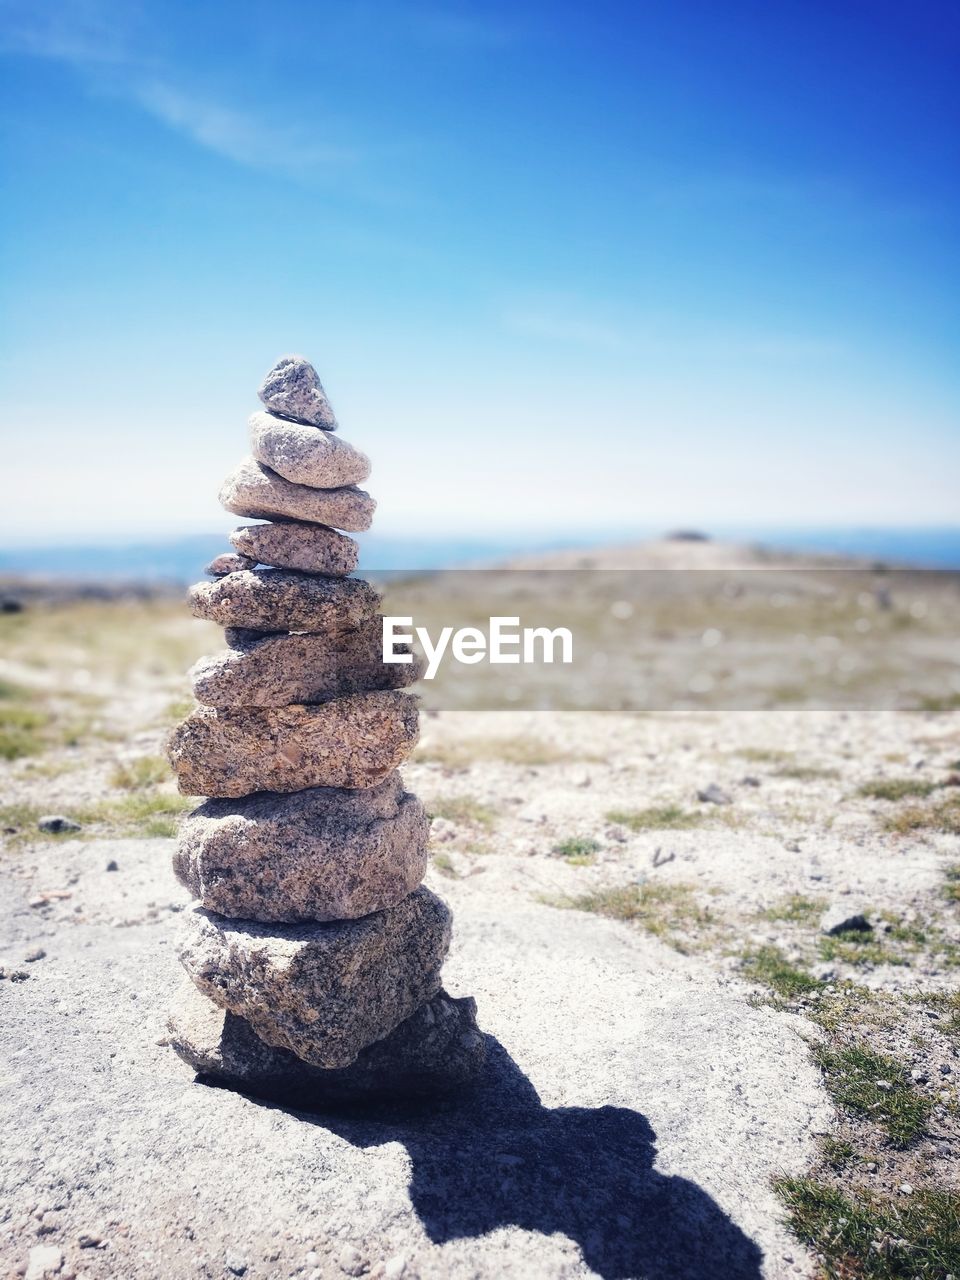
112,865
33,956
351,1261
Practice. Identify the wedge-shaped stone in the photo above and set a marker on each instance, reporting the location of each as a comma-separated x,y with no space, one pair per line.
322,854
293,388
292,545
350,742
305,455
227,562
255,491
323,991
277,670
437,1050
282,599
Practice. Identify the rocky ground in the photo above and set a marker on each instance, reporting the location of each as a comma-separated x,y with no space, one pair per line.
688,1077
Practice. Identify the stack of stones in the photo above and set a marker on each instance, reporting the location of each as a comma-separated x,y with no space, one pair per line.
313,949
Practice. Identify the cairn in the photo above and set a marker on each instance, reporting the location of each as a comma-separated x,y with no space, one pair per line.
313,949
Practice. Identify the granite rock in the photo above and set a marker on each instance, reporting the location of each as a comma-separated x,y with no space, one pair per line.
349,742
283,599
322,854
293,389
437,1050
227,562
257,493
292,545
322,991
305,455
262,670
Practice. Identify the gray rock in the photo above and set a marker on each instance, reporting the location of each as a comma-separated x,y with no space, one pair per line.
226,563
713,795
56,824
291,545
350,742
261,670
842,918
293,389
437,1050
282,599
322,854
323,991
306,455
254,491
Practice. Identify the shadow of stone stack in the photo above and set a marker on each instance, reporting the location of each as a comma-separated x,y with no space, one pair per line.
314,950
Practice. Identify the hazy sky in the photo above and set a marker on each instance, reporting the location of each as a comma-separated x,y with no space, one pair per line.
559,265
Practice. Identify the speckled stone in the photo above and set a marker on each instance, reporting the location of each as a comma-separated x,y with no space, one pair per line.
322,991
261,670
322,854
305,455
226,563
257,493
293,389
291,545
281,599
350,742
437,1050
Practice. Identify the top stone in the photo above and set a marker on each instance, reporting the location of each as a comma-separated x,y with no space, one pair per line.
293,390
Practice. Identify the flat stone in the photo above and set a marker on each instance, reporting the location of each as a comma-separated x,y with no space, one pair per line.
305,455
291,545
350,742
322,854
437,1050
261,670
254,491
227,562
322,991
282,599
293,389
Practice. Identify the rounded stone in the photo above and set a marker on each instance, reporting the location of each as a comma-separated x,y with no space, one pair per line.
321,854
437,1050
257,493
264,670
322,991
227,562
293,388
292,545
283,599
349,742
305,455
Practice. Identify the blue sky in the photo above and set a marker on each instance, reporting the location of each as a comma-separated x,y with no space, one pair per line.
560,266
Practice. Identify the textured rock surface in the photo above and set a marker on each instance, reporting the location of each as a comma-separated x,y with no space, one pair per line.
350,742
292,388
276,670
305,455
281,599
226,563
254,491
436,1050
323,991
322,854
291,545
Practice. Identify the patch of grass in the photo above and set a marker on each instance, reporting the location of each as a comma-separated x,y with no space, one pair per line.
795,908
444,864
862,1236
138,814
895,788
519,750
950,702
21,730
861,948
140,773
943,818
664,910
951,887
178,710
577,850
762,755
770,967
874,1085
836,1153
660,817
463,808
805,772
